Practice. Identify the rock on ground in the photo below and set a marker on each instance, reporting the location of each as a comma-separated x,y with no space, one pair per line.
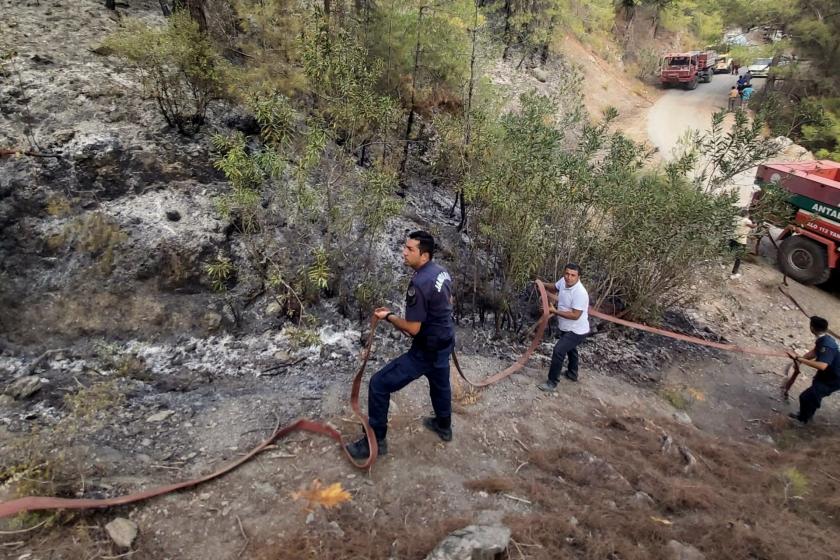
676,550
24,387
475,542
122,531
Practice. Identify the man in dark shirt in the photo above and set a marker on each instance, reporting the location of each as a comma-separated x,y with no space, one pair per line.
428,320
825,358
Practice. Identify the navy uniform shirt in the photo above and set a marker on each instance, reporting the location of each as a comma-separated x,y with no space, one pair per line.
827,352
429,301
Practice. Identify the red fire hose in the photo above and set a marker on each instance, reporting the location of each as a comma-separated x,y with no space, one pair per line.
30,503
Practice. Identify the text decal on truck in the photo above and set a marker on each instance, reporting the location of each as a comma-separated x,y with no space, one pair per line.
824,210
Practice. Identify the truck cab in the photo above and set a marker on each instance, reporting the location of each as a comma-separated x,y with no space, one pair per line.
688,68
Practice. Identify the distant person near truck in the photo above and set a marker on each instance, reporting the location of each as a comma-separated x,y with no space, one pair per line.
733,98
740,238
746,93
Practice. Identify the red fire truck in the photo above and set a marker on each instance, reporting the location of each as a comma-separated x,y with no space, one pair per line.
688,68
811,236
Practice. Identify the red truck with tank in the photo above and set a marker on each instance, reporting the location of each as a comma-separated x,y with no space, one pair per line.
810,240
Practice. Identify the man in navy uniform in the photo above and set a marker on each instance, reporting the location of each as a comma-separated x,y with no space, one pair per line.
573,312
825,358
428,320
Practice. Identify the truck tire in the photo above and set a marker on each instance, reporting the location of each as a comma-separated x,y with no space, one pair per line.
804,260
709,76
692,84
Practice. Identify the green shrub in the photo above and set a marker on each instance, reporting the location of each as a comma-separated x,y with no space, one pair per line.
795,482
822,136
179,67
94,234
220,272
538,200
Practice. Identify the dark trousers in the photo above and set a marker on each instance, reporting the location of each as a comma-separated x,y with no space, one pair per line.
400,372
737,249
811,398
566,346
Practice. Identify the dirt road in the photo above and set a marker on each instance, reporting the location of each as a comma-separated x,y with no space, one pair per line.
680,110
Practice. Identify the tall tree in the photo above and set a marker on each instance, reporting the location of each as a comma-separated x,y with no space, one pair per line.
197,10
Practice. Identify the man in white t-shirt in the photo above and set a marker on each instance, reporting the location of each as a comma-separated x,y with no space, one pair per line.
740,237
573,312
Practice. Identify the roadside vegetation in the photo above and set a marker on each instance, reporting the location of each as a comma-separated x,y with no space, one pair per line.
802,96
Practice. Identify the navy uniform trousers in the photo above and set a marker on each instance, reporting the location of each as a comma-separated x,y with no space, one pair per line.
416,363
811,398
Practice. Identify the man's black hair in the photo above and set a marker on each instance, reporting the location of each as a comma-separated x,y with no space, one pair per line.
425,242
818,324
572,266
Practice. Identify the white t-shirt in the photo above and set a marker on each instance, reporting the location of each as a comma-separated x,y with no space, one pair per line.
575,297
742,229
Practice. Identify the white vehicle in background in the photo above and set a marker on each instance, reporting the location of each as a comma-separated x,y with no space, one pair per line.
760,68
723,64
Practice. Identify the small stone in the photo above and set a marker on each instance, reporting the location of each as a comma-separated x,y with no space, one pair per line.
212,320
336,529
643,498
683,418
676,550
475,542
540,74
160,416
6,401
765,438
273,309
24,387
122,531
64,135
38,59
573,521
310,519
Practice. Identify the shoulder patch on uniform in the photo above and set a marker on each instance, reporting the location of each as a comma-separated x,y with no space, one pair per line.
441,278
411,296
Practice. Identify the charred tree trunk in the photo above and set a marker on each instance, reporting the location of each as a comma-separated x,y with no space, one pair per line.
111,4
507,33
196,9
467,117
411,108
164,8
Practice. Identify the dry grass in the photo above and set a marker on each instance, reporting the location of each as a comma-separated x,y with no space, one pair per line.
490,485
736,501
382,537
